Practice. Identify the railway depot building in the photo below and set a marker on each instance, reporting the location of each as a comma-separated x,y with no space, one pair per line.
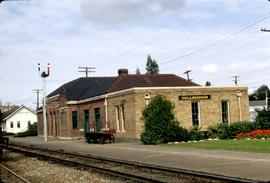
102,103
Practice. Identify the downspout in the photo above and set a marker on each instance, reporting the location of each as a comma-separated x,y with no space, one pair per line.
239,94
106,112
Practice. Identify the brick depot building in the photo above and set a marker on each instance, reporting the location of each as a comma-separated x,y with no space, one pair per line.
99,103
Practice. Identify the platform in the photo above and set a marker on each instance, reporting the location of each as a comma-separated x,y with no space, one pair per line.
255,166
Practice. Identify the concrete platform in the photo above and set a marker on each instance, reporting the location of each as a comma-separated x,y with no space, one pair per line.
255,166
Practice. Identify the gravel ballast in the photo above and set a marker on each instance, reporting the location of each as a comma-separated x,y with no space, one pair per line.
40,171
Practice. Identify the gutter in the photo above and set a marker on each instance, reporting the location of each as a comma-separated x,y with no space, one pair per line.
86,100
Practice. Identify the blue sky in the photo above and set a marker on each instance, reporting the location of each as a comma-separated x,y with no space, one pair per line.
217,39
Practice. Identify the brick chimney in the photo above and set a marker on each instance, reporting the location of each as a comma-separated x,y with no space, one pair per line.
122,72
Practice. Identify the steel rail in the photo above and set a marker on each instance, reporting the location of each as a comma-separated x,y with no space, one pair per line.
192,173
6,169
116,173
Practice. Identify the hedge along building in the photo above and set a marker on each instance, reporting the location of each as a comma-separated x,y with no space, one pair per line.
99,103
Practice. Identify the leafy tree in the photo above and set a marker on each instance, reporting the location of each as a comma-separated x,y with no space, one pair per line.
260,92
160,124
138,71
151,66
263,119
208,83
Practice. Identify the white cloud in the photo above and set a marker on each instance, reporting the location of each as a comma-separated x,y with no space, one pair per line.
119,11
249,66
210,68
55,32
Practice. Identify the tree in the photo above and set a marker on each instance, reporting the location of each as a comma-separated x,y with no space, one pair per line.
151,66
138,71
208,83
261,92
160,124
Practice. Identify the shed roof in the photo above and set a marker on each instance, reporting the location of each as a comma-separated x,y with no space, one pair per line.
257,103
13,111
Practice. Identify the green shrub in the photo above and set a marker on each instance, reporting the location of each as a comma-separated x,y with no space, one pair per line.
218,131
32,131
225,131
21,134
262,121
238,127
149,138
8,134
196,134
160,124
176,134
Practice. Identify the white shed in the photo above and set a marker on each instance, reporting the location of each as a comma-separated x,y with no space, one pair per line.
18,119
254,106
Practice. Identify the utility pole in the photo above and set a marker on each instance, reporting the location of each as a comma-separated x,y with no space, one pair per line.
187,73
265,30
44,75
37,91
8,104
236,79
266,99
86,70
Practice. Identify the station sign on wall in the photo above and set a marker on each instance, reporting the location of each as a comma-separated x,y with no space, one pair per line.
195,97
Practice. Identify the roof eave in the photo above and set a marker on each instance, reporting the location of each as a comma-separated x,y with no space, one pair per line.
86,100
52,97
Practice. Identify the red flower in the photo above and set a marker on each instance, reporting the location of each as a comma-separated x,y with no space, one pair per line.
254,134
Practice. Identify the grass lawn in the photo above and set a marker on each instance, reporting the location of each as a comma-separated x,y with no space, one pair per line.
236,145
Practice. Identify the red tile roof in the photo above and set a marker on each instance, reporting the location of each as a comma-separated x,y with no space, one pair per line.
149,80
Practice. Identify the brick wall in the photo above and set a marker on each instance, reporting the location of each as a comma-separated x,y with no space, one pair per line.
210,110
127,101
133,101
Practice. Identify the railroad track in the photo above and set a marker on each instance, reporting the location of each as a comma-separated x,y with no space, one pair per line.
9,176
134,171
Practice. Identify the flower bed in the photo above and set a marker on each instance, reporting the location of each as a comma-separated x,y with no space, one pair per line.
255,134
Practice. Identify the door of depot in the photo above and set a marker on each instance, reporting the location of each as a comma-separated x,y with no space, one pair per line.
86,121
97,119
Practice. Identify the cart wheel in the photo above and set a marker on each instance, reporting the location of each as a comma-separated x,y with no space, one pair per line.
101,140
113,139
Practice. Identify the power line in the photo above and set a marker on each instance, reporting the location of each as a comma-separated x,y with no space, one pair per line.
154,39
241,29
87,70
12,0
150,41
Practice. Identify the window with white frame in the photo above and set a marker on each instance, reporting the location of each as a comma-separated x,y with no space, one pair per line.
122,118
195,113
225,111
117,112
11,124
18,124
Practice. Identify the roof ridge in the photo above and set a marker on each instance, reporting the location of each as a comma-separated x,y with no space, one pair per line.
15,110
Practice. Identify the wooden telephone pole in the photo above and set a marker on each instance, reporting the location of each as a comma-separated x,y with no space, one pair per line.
86,70
265,30
187,73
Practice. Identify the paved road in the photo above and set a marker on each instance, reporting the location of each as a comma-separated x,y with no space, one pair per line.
255,166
